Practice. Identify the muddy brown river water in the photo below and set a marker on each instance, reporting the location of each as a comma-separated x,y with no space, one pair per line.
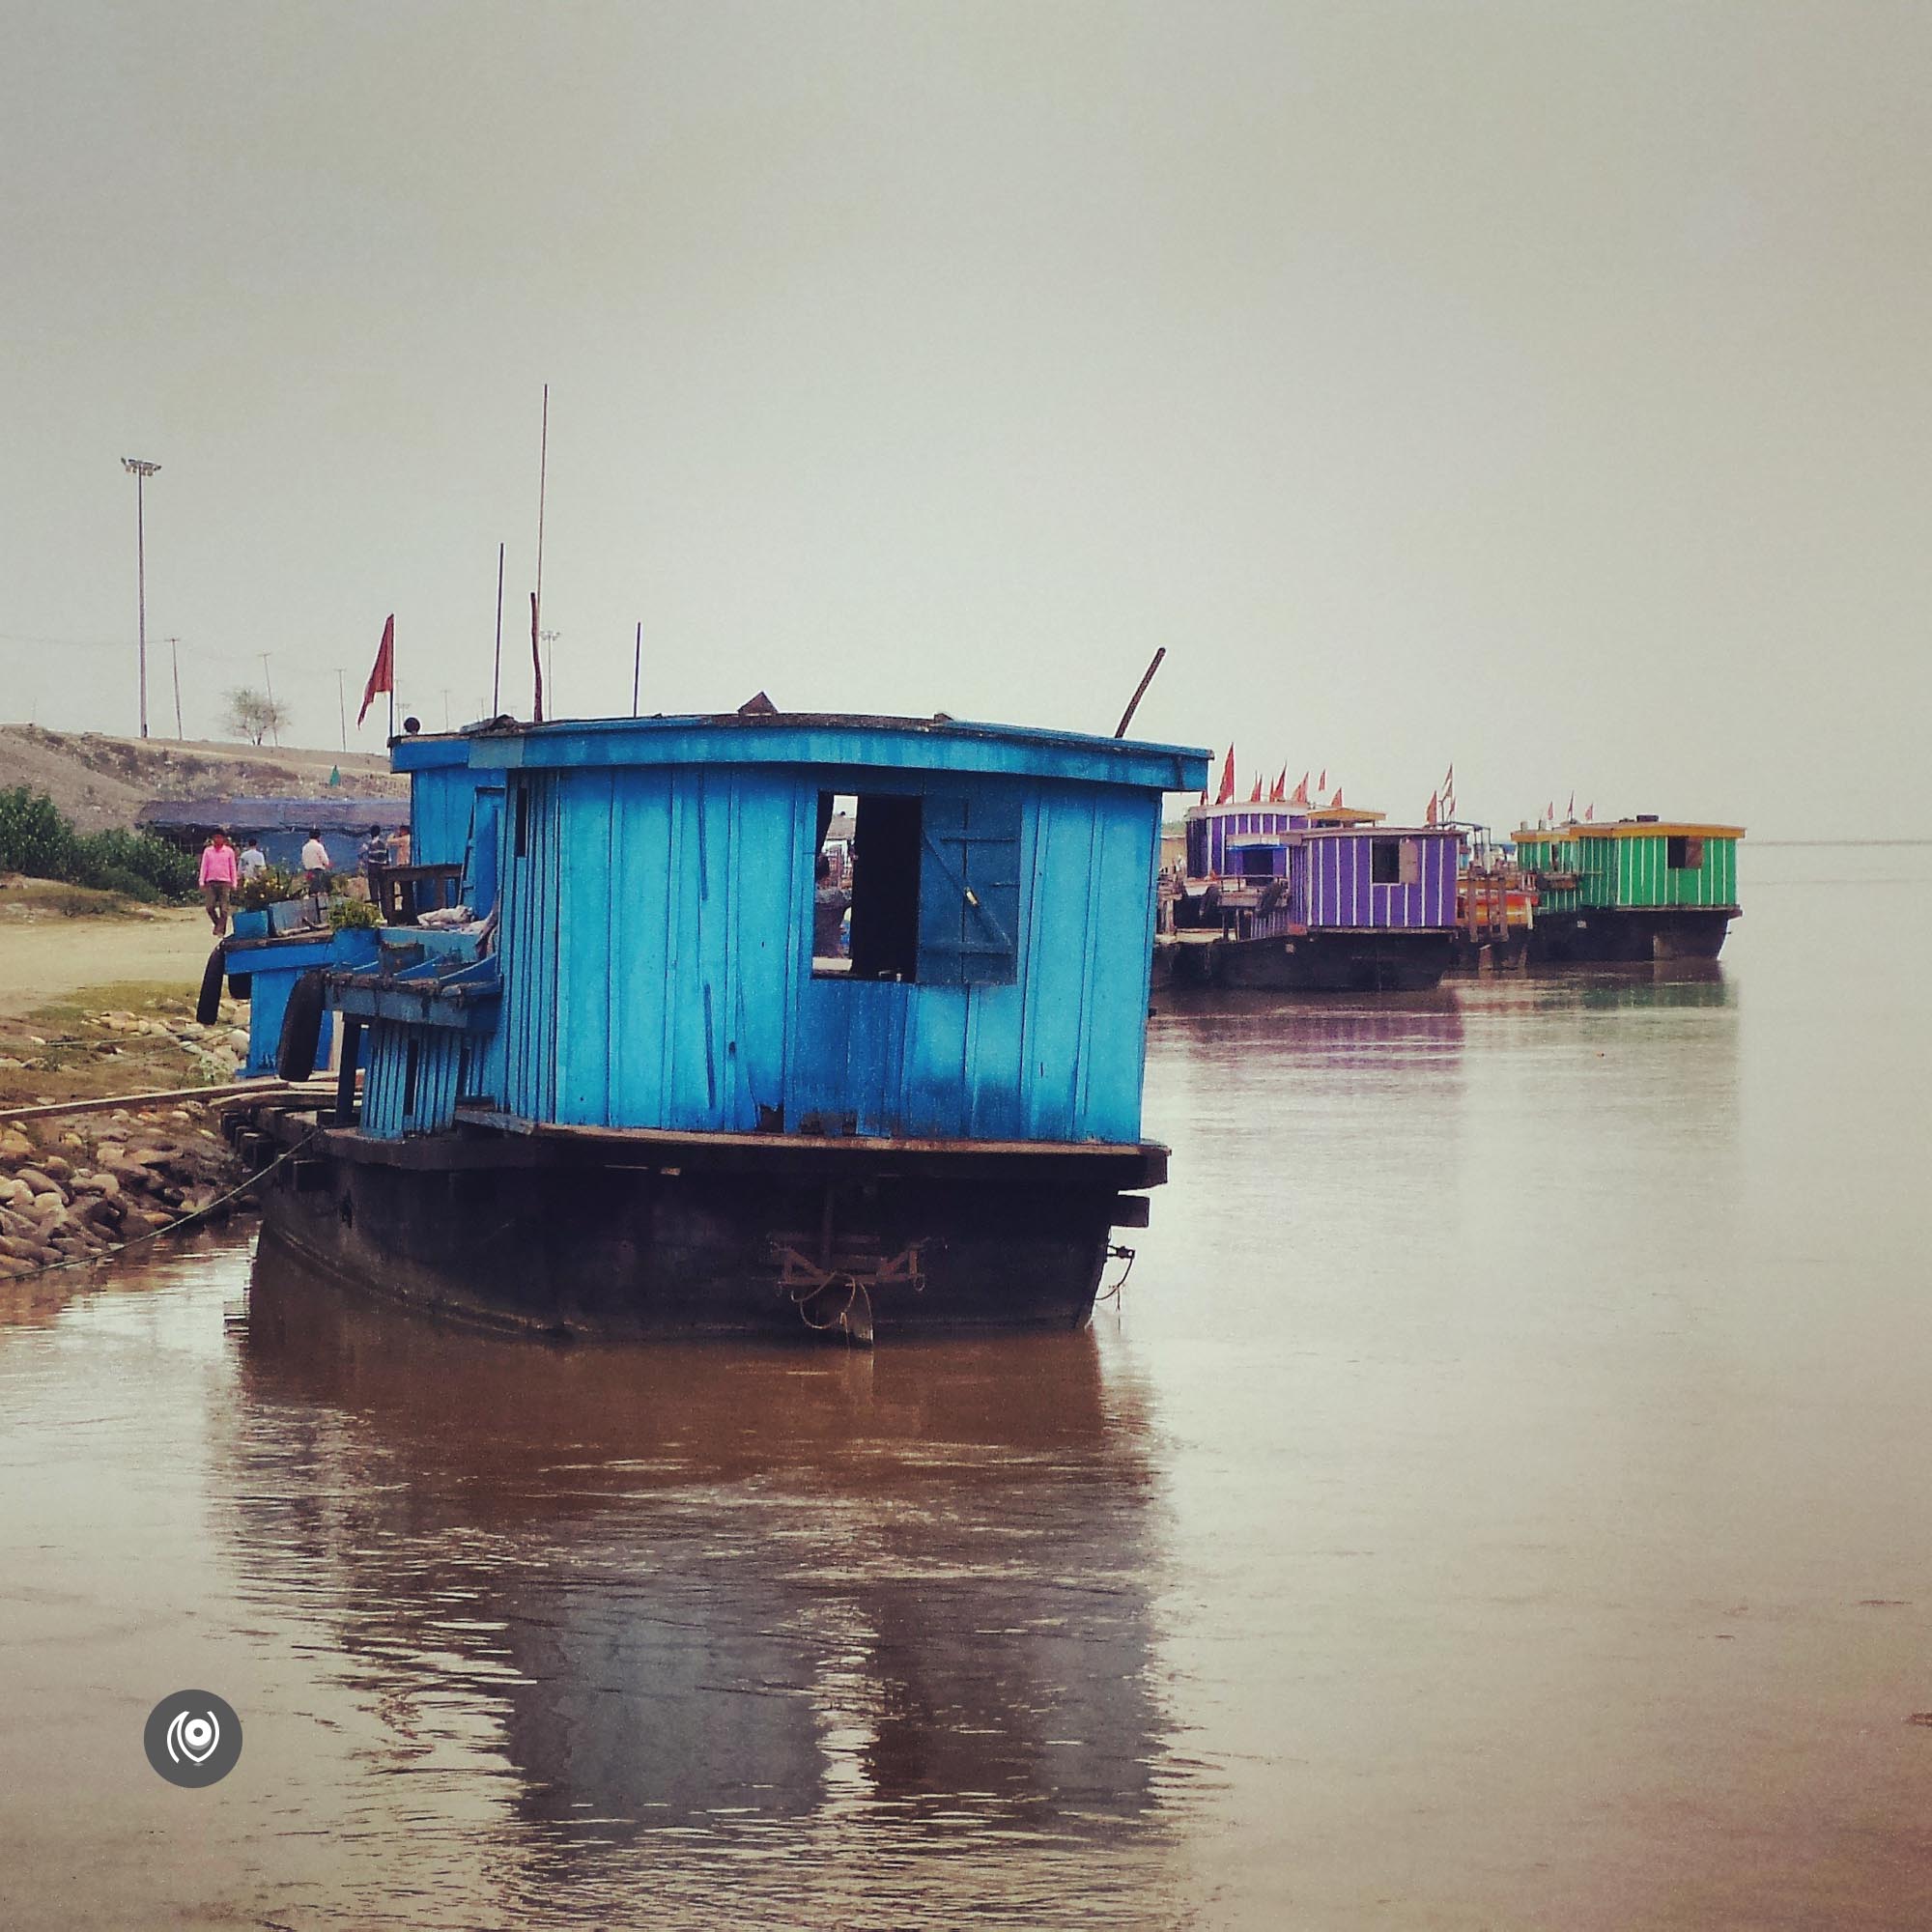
1499,1498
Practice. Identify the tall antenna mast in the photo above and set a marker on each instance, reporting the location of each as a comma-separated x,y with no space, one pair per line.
543,483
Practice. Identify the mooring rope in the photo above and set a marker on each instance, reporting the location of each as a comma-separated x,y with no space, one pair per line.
1115,1254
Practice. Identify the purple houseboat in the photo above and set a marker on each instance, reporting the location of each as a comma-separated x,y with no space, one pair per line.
1316,898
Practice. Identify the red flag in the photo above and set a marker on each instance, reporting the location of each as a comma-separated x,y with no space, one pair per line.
1226,779
1255,796
384,676
1571,814
1434,805
1335,803
1321,784
1549,811
1280,790
1590,811
1299,796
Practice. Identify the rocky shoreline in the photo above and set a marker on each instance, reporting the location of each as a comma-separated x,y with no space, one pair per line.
74,1187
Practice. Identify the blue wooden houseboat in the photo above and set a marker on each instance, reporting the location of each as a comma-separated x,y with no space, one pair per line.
1319,899
666,1079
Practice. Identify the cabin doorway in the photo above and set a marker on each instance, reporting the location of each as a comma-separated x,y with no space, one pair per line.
865,893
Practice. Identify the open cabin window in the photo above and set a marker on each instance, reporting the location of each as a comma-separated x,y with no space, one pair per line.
864,912
1682,854
918,887
1385,861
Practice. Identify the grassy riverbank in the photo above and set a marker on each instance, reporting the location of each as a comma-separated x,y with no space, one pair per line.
96,998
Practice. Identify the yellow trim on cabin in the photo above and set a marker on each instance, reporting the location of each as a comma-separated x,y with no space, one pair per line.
1630,828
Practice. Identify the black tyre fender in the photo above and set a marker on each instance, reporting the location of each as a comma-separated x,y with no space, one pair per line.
240,985
208,1005
301,1029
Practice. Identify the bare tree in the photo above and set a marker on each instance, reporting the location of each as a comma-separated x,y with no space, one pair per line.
256,715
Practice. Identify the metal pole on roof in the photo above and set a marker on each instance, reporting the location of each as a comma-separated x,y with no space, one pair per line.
1140,692
497,671
637,666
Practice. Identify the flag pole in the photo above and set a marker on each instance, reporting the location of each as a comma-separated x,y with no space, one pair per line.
637,666
392,682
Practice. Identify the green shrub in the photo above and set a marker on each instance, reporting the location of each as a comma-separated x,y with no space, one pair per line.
159,869
35,838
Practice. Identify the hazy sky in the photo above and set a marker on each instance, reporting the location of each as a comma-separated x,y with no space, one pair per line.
1542,387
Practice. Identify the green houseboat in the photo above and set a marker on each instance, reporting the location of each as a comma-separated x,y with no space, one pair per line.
1635,889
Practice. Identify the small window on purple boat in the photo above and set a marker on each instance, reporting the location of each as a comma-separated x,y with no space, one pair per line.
1385,861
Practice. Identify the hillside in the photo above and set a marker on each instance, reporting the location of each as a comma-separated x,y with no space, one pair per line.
101,782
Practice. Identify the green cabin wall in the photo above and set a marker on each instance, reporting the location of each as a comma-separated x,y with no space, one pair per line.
1629,873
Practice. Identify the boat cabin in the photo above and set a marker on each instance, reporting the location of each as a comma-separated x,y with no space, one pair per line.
1274,870
666,933
1641,862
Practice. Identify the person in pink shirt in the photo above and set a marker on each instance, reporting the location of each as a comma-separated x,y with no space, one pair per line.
218,880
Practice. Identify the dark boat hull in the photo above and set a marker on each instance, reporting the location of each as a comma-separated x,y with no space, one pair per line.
514,1235
1628,936
1332,962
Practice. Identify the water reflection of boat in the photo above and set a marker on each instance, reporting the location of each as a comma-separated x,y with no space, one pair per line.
694,1583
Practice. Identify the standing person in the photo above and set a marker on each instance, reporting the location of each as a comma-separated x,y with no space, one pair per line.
399,846
253,860
219,880
831,902
316,862
374,857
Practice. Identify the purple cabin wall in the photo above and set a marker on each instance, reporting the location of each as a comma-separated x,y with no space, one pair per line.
1329,875
1339,891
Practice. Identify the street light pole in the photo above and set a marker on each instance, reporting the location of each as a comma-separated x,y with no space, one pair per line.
268,684
141,471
